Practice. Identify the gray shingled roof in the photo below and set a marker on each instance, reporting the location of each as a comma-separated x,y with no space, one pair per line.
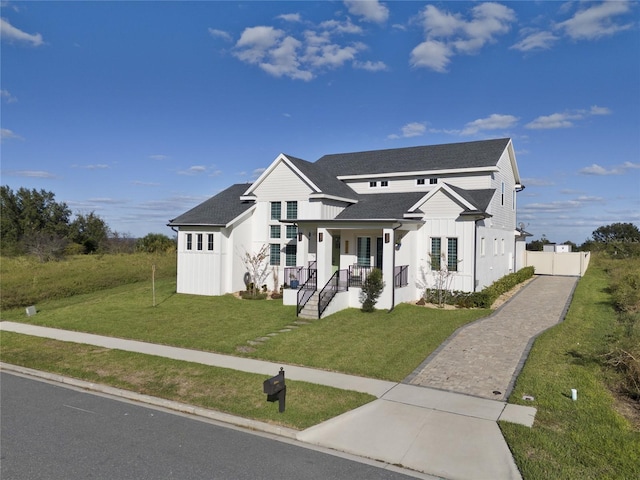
484,153
478,198
218,210
381,206
328,184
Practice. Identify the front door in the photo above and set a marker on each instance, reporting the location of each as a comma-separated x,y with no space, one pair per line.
379,253
335,254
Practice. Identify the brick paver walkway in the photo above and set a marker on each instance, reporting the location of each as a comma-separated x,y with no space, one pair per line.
486,356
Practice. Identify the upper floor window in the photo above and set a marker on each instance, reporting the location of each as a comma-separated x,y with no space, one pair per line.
199,236
292,210
420,181
276,210
189,241
210,242
384,183
292,231
274,231
373,184
433,181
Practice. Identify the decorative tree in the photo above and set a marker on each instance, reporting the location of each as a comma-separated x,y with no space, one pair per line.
371,289
257,267
443,280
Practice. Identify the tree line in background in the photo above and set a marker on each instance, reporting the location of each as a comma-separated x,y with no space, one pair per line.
616,239
33,222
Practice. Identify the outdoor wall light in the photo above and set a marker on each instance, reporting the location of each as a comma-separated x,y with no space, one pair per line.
299,236
320,237
386,238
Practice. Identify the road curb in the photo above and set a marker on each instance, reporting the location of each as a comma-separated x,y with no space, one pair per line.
155,401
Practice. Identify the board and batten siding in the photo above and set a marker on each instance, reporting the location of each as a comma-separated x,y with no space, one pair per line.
199,270
504,216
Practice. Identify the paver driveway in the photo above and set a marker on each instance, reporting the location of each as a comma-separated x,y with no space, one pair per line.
485,357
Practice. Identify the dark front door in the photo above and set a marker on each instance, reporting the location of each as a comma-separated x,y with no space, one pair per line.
379,253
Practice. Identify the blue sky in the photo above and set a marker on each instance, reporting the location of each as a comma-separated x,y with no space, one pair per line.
138,111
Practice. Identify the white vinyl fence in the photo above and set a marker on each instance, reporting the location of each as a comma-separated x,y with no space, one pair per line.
572,264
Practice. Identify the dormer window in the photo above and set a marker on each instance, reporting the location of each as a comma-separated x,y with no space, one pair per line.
433,181
420,181
384,183
373,184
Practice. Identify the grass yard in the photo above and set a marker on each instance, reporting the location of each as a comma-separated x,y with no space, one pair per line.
379,345
585,439
229,391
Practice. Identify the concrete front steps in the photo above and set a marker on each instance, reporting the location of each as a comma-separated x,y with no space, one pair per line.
310,310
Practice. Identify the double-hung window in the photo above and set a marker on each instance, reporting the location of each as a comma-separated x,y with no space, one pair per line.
292,210
189,241
290,252
199,237
274,254
276,210
292,231
210,242
436,252
452,254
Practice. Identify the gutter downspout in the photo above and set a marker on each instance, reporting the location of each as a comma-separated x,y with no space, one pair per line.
475,252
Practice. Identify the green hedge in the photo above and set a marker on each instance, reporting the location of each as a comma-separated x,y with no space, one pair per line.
486,297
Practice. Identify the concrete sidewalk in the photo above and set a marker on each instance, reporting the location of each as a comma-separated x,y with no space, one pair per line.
450,434
440,433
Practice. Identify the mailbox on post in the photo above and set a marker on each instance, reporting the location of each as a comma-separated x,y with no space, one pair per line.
276,389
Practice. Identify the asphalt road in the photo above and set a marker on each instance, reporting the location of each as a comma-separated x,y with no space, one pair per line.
54,432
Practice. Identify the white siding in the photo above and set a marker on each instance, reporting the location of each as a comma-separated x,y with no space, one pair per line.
504,215
408,184
282,182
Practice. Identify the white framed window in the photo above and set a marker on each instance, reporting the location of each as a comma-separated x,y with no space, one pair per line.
373,184
292,231
210,242
290,255
363,251
452,254
433,181
436,252
420,181
274,231
292,210
199,237
274,254
384,183
276,210
189,241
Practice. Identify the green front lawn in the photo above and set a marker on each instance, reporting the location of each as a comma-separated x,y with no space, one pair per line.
380,345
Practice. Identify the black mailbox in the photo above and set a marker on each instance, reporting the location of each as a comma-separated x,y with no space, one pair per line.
276,389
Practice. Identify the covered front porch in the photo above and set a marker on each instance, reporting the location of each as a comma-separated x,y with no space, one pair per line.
336,260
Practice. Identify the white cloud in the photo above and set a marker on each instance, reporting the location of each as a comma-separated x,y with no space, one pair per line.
6,134
370,66
255,43
29,174
596,169
220,34
11,34
341,27
596,21
370,11
159,157
449,34
492,122
194,170
6,95
413,129
290,17
536,41
565,119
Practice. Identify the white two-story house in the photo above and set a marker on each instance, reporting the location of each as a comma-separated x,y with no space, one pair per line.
412,212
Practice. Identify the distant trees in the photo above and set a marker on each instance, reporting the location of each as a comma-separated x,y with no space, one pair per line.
538,245
33,222
617,232
155,243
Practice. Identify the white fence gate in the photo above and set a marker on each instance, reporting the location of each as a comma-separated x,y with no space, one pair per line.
572,264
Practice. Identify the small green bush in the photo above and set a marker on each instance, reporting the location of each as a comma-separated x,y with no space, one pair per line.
371,289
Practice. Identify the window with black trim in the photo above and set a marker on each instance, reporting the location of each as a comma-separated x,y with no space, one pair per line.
292,210
199,237
290,252
436,252
276,210
420,181
433,181
274,231
210,242
373,184
452,254
292,231
274,254
384,183
189,241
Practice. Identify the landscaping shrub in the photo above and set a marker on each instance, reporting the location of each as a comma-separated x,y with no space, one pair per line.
371,289
486,297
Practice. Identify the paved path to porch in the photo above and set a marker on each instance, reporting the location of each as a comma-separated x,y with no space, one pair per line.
486,356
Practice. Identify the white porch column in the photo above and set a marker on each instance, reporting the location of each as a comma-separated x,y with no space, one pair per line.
388,247
325,246
302,255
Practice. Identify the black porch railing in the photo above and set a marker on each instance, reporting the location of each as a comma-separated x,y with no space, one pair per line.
339,282
401,276
357,274
306,291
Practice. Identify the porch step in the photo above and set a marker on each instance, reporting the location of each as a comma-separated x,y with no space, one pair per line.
310,310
